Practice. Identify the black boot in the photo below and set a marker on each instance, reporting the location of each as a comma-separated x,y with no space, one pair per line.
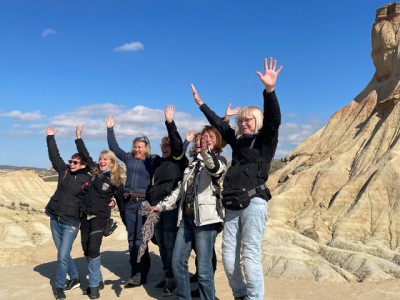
87,290
94,293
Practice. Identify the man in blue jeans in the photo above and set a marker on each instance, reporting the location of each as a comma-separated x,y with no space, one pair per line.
64,211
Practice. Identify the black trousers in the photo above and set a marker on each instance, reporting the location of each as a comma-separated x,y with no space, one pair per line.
92,235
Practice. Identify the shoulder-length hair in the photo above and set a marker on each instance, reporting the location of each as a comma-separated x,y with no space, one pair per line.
115,170
144,140
218,145
192,150
256,112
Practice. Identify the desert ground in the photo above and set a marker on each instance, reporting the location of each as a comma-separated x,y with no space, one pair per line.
28,257
34,280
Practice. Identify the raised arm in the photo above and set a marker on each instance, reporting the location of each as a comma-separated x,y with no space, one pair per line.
112,141
270,74
189,138
54,155
173,134
230,112
272,113
80,146
228,134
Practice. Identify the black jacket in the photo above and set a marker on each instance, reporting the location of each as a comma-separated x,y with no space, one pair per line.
170,169
250,164
100,190
65,204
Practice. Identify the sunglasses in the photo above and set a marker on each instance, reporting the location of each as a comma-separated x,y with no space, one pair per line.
142,139
75,162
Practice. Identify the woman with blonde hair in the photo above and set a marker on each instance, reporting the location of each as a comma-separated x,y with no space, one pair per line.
140,168
245,194
96,209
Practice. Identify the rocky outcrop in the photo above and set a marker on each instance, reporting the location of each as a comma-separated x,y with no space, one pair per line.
24,227
336,202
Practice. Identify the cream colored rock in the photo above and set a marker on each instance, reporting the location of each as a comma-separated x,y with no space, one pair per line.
341,186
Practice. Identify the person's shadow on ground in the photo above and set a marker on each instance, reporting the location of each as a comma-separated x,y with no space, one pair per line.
116,262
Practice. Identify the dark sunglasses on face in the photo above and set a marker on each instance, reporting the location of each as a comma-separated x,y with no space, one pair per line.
75,162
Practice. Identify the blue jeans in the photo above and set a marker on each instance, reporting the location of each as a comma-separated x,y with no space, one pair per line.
95,276
64,237
204,237
165,231
243,232
134,224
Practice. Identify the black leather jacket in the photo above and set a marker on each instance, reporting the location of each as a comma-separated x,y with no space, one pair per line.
65,205
170,170
250,163
100,190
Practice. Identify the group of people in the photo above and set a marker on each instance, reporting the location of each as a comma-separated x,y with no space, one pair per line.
185,204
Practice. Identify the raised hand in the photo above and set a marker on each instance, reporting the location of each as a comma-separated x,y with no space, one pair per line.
169,112
204,147
190,136
196,95
78,131
270,74
50,131
110,121
230,112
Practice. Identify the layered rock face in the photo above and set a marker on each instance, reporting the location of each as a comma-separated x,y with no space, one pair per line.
336,202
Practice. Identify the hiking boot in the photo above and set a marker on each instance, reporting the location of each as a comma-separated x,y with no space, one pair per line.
94,293
170,287
160,285
87,290
135,280
72,284
60,294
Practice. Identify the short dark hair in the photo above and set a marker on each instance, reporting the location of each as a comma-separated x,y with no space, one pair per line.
82,157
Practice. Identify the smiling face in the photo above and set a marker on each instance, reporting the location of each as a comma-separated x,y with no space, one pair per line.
75,164
139,150
197,143
105,163
165,147
247,123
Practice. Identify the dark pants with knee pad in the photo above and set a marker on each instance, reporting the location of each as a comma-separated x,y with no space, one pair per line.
92,235
91,238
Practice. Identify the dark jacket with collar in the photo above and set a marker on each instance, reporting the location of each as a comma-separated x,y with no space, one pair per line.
170,170
100,190
250,163
65,204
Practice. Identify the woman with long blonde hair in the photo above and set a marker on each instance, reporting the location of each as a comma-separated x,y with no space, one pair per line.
96,209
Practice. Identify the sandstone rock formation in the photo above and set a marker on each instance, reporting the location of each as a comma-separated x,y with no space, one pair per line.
336,202
23,225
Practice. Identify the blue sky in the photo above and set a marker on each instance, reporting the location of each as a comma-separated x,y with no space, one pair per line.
64,63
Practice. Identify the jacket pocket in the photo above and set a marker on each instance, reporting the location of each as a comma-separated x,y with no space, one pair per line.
208,210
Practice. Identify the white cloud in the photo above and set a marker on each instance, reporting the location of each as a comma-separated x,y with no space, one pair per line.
129,122
296,131
28,116
48,31
130,47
